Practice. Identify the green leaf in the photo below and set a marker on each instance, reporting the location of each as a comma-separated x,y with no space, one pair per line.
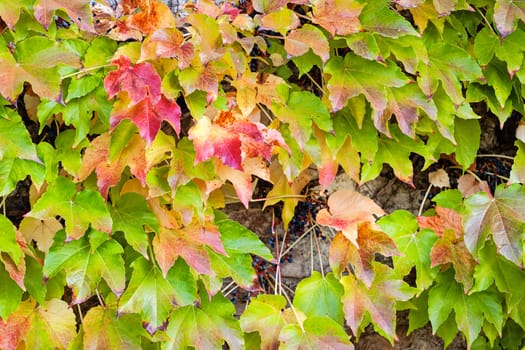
517,173
8,243
10,294
82,86
238,266
33,280
67,154
511,51
79,209
131,214
281,20
103,329
85,263
264,315
470,310
15,141
306,62
183,282
148,294
320,332
120,137
497,77
354,75
99,52
502,217
485,45
14,170
467,135
377,17
238,239
415,246
301,109
327,293
449,65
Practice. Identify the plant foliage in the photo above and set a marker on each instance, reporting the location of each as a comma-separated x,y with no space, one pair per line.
131,127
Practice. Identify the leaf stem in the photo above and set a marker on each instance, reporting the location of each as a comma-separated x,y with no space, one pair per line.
264,111
315,83
486,20
284,196
316,238
494,156
420,212
80,314
100,300
298,240
85,71
232,283
294,311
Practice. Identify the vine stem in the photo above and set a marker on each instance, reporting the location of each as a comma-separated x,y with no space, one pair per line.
80,314
294,311
298,240
316,239
315,83
100,300
284,196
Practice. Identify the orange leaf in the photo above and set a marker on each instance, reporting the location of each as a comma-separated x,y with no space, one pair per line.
190,243
346,209
299,41
79,11
167,43
153,15
445,219
96,158
338,16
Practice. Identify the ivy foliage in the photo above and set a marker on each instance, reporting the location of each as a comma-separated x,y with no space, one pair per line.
132,127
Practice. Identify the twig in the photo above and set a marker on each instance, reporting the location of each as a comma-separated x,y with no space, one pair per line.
495,156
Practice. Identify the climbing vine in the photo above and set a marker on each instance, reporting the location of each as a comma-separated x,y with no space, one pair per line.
127,130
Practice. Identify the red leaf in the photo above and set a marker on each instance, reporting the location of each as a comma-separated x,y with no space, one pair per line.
346,209
233,139
445,219
138,81
15,327
147,115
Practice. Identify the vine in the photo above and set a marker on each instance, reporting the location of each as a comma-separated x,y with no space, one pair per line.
131,128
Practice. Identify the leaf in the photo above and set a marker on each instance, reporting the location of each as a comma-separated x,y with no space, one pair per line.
8,240
320,332
444,220
327,293
405,103
238,239
264,315
188,242
131,215
79,210
377,17
449,250
301,110
10,295
138,81
511,51
379,301
470,310
35,60
507,14
439,178
104,330
41,231
82,86
79,11
15,141
10,13
182,280
96,158
517,173
355,75
337,17
14,170
501,217
346,210
449,65
149,294
168,43
467,135
14,328
370,242
233,139
152,15
300,40
281,20
85,263
414,246
206,328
